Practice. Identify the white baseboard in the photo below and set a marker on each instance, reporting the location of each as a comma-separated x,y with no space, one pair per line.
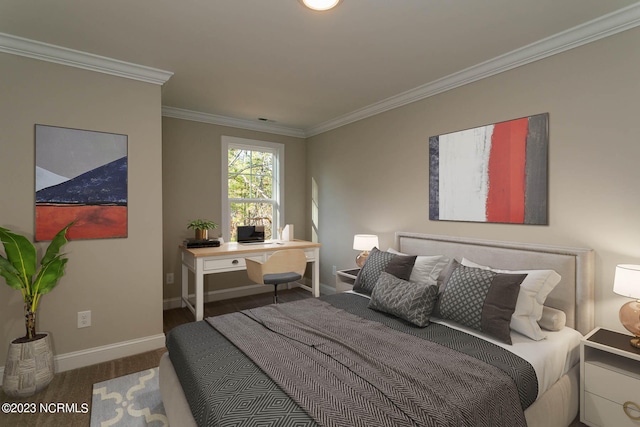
327,290
240,291
105,353
221,294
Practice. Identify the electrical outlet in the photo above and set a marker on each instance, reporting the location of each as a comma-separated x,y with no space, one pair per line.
84,319
169,279
333,270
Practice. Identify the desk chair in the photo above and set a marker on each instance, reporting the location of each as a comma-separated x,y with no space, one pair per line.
283,266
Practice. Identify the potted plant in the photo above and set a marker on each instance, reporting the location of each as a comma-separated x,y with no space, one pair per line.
21,272
202,227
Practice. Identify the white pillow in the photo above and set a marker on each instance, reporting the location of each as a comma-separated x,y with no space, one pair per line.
552,319
533,292
426,268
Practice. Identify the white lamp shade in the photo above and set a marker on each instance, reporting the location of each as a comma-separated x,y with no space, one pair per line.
627,281
365,242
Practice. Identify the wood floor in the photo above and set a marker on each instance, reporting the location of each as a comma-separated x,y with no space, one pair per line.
178,316
75,386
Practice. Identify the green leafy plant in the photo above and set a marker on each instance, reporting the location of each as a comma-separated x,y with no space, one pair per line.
202,224
20,267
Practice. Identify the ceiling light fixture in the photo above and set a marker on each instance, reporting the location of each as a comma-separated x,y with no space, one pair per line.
320,4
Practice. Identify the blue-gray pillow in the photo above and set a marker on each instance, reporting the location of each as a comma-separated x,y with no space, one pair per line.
480,299
411,301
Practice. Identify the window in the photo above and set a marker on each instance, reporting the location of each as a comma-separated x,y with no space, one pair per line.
252,186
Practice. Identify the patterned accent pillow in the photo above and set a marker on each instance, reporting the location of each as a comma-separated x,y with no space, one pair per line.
410,301
370,272
426,267
481,299
533,293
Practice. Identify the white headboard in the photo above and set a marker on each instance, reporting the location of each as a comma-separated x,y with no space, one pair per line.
574,294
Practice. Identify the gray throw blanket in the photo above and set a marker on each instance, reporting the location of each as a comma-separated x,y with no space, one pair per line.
348,371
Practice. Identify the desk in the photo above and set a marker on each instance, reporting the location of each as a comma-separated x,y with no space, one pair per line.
231,257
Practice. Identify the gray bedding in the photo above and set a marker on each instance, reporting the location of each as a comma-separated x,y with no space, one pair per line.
225,387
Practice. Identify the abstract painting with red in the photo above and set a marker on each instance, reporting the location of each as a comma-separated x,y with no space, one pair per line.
81,176
495,173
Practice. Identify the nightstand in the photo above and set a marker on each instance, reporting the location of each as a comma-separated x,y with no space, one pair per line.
609,380
345,279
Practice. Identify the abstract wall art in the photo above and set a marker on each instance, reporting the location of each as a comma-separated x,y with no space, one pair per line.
495,173
80,176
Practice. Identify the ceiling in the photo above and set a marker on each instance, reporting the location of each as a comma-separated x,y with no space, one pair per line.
303,70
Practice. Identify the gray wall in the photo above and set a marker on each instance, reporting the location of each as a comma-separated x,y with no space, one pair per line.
373,174
372,177
191,180
119,280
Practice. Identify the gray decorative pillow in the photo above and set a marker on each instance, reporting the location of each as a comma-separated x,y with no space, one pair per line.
411,301
426,266
401,266
480,299
376,263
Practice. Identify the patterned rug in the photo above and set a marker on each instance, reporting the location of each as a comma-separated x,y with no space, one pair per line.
132,400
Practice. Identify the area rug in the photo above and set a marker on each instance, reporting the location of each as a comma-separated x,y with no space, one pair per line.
132,400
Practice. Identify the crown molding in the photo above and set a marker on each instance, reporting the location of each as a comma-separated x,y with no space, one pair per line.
74,58
605,26
195,116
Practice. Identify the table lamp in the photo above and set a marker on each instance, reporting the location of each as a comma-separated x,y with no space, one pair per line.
364,243
627,284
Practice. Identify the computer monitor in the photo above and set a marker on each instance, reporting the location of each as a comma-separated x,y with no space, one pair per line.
250,234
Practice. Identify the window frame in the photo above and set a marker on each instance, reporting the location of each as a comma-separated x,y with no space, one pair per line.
277,149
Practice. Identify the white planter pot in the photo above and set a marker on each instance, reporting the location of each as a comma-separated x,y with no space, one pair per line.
29,367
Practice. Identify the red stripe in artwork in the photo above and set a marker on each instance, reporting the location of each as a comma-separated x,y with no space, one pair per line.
505,199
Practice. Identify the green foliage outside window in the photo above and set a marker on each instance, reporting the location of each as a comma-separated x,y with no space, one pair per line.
251,189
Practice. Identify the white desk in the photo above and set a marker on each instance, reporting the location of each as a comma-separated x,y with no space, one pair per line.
231,257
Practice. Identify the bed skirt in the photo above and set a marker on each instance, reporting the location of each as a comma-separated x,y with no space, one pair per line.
175,403
558,407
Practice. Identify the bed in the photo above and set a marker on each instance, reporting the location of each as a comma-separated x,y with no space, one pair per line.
228,364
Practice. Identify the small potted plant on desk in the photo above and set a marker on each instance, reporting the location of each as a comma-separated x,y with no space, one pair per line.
29,366
202,227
